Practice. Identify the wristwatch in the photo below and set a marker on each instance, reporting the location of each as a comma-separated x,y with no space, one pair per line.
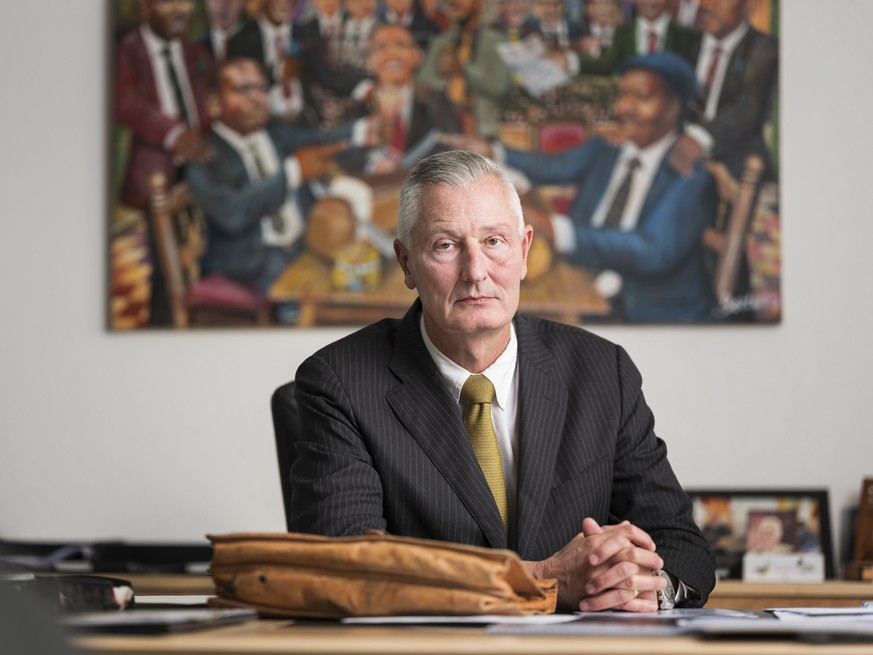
667,596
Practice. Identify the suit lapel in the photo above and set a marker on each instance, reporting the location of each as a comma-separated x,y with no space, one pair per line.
594,185
664,177
542,406
431,415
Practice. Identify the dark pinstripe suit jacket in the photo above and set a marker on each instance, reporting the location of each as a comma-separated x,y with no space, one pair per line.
382,446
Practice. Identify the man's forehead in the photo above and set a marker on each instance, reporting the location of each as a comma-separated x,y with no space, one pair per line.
637,76
391,35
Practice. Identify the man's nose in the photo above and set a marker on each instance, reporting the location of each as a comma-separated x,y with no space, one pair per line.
474,263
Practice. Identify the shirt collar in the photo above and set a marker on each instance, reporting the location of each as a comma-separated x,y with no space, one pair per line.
728,43
659,25
240,142
501,372
154,43
651,156
272,30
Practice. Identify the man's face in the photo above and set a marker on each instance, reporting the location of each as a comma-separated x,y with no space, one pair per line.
279,11
244,101
549,11
394,56
513,12
650,9
224,14
644,109
169,19
463,11
721,17
399,7
467,260
327,7
360,9
601,12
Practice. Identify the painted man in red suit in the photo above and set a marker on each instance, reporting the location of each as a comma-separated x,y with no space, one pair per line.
161,85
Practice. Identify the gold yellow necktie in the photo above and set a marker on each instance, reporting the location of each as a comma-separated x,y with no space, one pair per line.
478,392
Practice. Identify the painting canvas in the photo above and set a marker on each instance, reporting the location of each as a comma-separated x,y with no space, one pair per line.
258,148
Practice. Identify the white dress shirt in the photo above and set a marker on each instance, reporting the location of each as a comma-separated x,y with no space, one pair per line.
658,27
707,49
503,374
166,97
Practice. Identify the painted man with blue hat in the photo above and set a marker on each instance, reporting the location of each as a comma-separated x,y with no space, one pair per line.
635,220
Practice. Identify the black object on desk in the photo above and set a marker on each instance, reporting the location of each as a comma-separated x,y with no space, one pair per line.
106,556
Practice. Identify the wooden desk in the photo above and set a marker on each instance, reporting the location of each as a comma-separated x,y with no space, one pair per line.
733,594
565,293
283,636
275,636
728,594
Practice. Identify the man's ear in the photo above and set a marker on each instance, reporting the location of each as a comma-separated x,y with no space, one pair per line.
403,259
213,106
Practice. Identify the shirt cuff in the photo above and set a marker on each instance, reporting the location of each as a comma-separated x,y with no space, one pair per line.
293,172
360,132
703,138
173,135
565,234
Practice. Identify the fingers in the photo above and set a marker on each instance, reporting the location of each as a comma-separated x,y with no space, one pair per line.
625,575
616,539
629,599
646,601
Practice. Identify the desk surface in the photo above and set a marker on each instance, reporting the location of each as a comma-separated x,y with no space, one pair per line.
283,636
275,636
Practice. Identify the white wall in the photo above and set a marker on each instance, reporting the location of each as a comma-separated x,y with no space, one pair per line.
168,436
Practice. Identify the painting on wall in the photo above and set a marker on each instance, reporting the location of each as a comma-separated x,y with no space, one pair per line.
737,521
258,148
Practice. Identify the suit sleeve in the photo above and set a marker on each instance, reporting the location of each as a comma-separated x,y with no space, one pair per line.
568,167
132,108
666,237
231,208
647,493
336,489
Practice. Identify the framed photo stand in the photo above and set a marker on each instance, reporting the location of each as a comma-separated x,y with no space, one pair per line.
736,521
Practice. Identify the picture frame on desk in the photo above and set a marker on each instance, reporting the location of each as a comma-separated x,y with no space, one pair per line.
724,517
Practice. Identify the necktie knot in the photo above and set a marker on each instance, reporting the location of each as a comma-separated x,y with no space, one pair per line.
477,389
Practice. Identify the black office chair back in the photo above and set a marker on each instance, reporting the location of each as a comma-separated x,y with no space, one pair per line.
286,427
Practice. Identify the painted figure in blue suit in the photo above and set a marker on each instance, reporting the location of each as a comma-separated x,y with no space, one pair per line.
648,253
255,192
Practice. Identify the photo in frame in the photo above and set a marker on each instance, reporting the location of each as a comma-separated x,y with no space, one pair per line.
201,232
737,521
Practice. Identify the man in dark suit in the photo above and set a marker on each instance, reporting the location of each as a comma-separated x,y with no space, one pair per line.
162,81
225,19
255,192
652,30
326,82
403,109
569,435
737,67
269,39
635,219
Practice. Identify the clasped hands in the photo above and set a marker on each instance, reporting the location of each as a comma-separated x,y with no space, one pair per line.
605,568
